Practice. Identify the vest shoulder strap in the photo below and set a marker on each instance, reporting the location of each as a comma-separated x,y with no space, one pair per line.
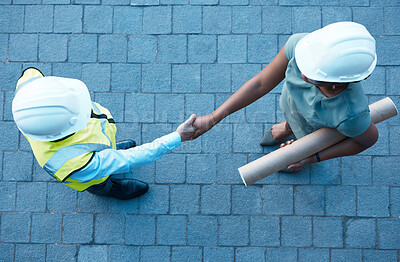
28,75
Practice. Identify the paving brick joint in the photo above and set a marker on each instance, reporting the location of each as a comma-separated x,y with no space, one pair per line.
155,62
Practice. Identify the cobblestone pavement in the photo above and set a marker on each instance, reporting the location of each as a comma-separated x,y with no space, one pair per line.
155,62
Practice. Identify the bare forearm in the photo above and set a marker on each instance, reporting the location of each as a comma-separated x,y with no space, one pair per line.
255,88
350,146
244,96
347,147
252,90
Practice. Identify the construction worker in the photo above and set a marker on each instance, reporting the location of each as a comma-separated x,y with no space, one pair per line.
73,138
322,71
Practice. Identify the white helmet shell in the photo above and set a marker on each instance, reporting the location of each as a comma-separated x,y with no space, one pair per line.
51,108
340,52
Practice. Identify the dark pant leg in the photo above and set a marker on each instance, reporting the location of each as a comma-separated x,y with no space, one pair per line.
102,189
119,188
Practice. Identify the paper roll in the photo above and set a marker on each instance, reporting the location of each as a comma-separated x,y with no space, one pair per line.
307,146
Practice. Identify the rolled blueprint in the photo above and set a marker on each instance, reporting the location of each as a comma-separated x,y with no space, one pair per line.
307,146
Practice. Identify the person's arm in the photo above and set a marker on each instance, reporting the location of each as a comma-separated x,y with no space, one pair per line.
110,161
252,90
348,147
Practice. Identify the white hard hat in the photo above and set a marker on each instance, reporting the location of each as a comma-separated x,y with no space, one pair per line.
51,108
340,52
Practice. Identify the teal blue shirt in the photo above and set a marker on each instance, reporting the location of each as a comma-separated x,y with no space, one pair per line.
307,109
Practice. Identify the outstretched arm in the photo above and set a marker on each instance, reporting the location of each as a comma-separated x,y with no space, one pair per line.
252,90
110,161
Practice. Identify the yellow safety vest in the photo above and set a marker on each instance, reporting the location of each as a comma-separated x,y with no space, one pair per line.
64,157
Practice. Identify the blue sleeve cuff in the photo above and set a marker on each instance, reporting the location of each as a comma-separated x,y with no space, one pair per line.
173,140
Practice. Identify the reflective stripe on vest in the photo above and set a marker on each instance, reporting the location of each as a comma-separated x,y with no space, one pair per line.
69,152
62,158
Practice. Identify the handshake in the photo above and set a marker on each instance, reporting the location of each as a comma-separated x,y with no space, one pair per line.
195,127
186,130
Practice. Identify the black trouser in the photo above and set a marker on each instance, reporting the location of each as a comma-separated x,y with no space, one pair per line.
118,188
102,189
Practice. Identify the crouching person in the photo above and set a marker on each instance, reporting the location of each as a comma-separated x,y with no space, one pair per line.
73,138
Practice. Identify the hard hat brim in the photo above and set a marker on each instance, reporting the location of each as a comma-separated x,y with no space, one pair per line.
33,100
317,47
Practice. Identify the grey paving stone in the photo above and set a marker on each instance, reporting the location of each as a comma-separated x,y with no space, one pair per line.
78,228
92,253
186,19
185,199
82,48
119,253
13,17
23,47
360,233
61,253
342,255
202,169
155,254
373,201
15,227
157,20
202,231
97,19
7,251
61,198
109,229
171,230
140,230
328,232
218,253
332,14
309,200
246,200
388,233
68,19
296,231
314,254
53,48
202,48
380,255
25,201
156,201
283,253
215,199
127,20
30,252
43,224
278,200
8,194
112,48
265,231
250,253
217,20
341,201
186,254
232,226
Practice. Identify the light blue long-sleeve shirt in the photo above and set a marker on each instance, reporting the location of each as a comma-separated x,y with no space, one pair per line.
110,161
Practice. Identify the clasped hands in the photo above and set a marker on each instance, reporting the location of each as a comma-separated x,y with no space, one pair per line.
195,127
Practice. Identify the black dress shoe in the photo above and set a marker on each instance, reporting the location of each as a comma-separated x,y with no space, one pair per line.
126,144
127,189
